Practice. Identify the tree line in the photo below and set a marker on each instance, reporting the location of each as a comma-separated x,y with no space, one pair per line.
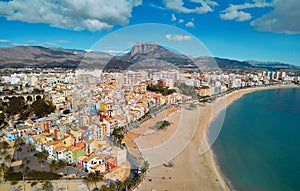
17,106
163,90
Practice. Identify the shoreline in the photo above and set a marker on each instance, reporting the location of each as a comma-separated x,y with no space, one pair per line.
217,167
210,175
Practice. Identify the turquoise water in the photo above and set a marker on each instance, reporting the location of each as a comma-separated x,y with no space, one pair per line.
258,147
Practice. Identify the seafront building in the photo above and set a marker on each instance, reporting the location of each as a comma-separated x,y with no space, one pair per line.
91,105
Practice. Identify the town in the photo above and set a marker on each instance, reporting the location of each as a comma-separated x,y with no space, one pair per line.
77,118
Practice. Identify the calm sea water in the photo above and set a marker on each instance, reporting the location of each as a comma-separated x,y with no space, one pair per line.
258,147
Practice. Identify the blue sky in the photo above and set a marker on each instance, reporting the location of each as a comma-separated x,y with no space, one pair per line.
264,30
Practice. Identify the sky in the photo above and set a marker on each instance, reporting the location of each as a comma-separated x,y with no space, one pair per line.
262,30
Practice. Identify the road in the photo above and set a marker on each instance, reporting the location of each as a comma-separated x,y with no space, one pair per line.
133,161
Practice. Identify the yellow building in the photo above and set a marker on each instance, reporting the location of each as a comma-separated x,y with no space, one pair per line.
67,141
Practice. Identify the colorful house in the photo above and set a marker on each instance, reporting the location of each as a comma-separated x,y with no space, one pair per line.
11,135
92,146
111,163
67,141
96,162
60,153
86,162
73,153
80,162
98,167
39,141
85,133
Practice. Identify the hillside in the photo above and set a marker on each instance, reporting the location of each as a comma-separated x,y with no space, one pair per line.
142,55
150,54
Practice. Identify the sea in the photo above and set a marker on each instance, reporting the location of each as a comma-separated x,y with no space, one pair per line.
258,147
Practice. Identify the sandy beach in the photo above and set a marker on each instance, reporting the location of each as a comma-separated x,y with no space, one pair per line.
184,143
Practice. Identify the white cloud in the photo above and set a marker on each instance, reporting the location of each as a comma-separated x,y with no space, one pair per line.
236,15
92,15
173,18
154,6
62,41
284,18
4,42
178,5
32,42
55,43
50,44
177,37
190,24
234,12
180,21
116,52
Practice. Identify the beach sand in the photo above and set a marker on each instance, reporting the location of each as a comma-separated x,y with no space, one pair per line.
195,167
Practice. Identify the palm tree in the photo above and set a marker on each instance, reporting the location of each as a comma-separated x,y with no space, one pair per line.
88,180
166,123
41,156
4,145
19,141
47,186
23,167
98,177
163,124
30,147
128,182
17,145
53,165
115,134
8,157
103,188
94,177
3,169
61,164
111,187
145,167
120,185
120,137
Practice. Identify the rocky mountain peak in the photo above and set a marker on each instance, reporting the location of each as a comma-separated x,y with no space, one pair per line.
145,48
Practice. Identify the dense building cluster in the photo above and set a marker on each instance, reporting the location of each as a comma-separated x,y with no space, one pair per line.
90,105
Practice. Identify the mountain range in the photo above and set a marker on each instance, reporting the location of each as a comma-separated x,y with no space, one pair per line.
141,55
